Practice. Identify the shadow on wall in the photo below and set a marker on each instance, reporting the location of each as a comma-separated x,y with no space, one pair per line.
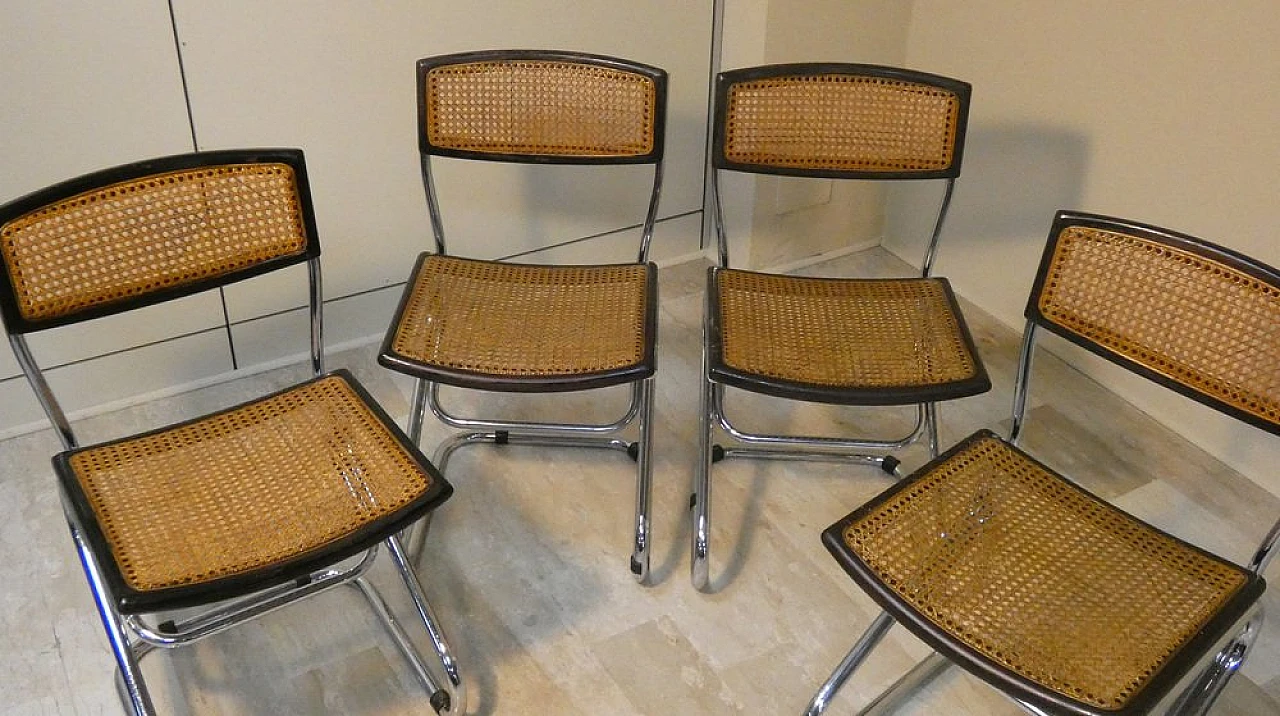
1014,177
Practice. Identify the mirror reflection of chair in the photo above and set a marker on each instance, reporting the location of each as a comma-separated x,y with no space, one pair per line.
190,529
843,341
519,328
1047,592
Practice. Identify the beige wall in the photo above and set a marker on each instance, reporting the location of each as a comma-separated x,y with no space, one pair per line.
1150,110
788,219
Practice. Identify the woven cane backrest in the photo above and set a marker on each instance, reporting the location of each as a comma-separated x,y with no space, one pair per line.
132,235
1193,316
541,107
840,120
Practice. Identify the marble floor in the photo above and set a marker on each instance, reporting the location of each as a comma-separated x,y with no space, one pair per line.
527,565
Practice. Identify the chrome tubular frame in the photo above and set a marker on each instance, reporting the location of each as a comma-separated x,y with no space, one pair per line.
722,240
35,377
1266,550
426,394
772,447
651,217
433,207
861,649
919,675
932,252
316,286
131,652
1022,381
1204,690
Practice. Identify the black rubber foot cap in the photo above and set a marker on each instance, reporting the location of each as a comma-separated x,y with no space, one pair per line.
636,568
717,453
440,701
633,451
890,464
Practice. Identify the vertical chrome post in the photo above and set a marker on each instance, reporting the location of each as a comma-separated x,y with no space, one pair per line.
1021,381
317,315
860,650
1266,550
932,251
433,207
417,409
912,681
931,423
651,218
35,377
1200,695
644,485
457,702
722,240
130,676
700,509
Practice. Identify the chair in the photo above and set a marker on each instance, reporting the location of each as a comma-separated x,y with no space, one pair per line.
1055,597
840,341
519,328
245,510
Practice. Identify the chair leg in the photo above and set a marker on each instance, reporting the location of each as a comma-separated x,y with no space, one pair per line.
133,691
453,699
1200,695
700,503
851,661
912,681
931,428
644,485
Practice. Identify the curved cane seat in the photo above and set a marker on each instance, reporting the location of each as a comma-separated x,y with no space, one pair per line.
837,340
992,558
181,510
517,327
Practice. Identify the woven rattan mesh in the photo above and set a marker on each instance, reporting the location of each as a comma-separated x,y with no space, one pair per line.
148,234
1195,321
248,488
842,333
540,107
841,122
524,321
1038,576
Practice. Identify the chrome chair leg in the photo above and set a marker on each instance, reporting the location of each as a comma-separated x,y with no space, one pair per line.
453,699
644,484
912,681
397,632
931,420
1200,695
700,503
133,692
856,655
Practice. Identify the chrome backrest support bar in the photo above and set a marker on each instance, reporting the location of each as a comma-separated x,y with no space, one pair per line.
40,386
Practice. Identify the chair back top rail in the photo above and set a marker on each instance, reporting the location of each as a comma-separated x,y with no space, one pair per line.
151,231
840,120
1192,316
541,106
